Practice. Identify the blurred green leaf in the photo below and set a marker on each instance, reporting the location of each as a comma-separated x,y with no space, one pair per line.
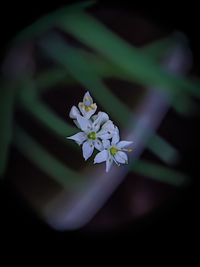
105,69
83,72
102,67
6,118
31,103
159,173
157,49
48,21
50,78
45,161
163,149
143,70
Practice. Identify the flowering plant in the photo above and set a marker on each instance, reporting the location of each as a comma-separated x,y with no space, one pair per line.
98,131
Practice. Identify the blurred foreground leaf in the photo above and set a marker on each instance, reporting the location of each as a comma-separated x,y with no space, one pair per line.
43,113
45,161
159,173
163,149
102,67
48,21
6,120
143,70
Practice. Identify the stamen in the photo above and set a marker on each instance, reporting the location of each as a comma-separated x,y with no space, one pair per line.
129,150
82,105
93,106
110,160
89,108
126,161
98,143
91,145
84,135
116,162
113,147
89,127
95,124
122,148
86,98
108,132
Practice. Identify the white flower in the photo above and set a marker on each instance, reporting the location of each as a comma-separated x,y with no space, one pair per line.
113,152
92,133
87,108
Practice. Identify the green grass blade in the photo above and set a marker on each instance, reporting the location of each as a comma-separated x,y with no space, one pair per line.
156,50
143,70
159,173
83,73
45,115
103,68
164,150
7,95
50,78
45,161
48,21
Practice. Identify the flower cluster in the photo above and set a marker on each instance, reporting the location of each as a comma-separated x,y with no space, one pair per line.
98,131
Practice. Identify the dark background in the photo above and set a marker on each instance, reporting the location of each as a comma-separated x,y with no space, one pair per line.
176,222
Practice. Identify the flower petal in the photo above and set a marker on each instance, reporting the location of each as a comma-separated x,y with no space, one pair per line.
121,157
106,143
108,125
74,112
82,109
109,162
123,144
98,145
105,134
84,123
101,156
87,148
104,117
101,118
98,120
79,138
87,99
107,130
115,138
77,124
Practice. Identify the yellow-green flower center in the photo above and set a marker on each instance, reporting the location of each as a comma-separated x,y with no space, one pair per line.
113,151
91,135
